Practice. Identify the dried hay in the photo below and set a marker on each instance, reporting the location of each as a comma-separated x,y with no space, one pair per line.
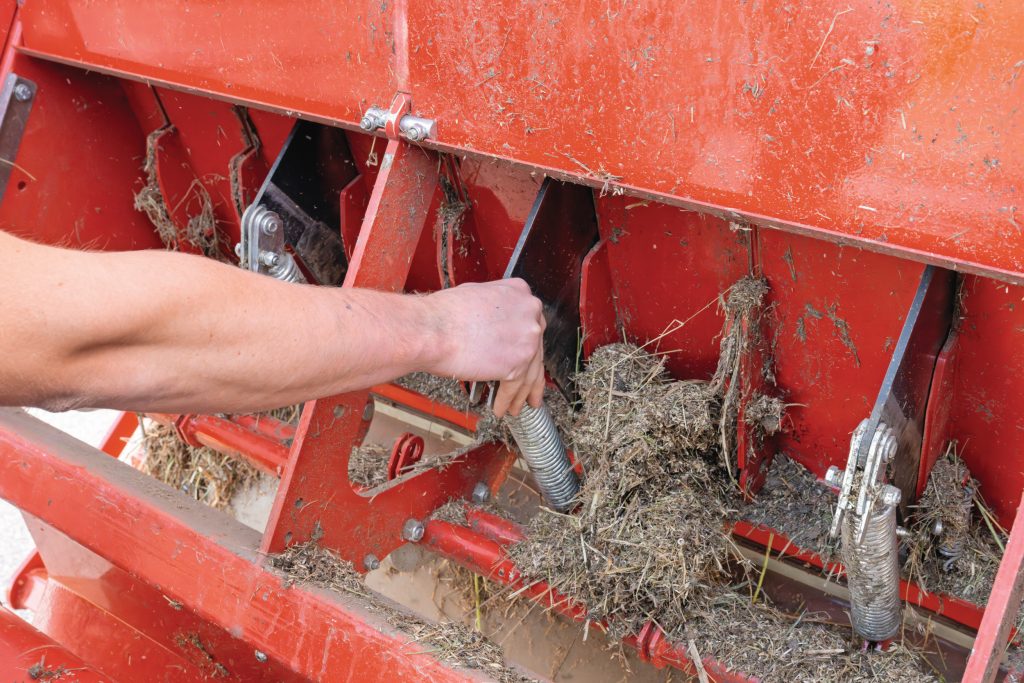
969,531
649,541
201,228
202,473
451,643
367,466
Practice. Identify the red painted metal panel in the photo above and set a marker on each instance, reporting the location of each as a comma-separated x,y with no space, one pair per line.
837,313
1001,613
199,558
122,429
23,647
986,416
830,133
670,265
79,164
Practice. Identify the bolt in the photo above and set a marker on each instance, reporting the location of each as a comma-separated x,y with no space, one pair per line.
891,496
413,530
261,657
270,223
238,250
833,476
481,493
371,562
415,133
367,123
269,258
937,527
22,92
902,532
368,411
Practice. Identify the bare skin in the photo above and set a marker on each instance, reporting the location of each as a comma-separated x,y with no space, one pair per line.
167,332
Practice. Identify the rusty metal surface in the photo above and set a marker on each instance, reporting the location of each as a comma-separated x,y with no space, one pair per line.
870,124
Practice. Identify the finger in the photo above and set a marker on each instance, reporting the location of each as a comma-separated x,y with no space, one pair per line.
532,374
506,392
536,397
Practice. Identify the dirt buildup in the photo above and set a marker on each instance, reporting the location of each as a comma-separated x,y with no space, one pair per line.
40,672
793,502
202,473
451,643
962,559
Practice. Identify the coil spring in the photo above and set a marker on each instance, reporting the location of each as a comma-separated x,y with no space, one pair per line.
537,437
873,572
286,269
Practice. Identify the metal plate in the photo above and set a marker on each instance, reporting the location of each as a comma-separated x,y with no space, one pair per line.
560,230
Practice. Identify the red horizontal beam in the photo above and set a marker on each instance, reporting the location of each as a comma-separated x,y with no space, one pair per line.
241,437
199,558
421,404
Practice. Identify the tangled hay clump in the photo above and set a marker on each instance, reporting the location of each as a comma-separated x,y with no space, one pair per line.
961,560
203,473
649,533
201,228
451,643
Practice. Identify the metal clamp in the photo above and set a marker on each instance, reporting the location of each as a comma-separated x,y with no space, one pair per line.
397,120
872,488
262,249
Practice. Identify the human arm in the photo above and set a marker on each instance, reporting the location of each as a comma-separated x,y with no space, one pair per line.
168,332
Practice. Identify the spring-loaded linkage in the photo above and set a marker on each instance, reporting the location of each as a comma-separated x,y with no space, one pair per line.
867,519
537,436
952,545
262,249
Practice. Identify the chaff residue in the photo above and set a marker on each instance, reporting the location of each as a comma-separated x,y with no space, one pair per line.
204,474
40,672
962,559
451,643
793,502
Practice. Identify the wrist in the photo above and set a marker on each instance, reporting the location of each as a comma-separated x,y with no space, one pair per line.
434,342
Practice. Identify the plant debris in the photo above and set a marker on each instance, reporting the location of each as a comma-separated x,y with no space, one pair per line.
203,473
40,672
961,560
796,504
451,643
201,228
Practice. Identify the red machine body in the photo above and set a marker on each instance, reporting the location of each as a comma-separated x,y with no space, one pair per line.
835,150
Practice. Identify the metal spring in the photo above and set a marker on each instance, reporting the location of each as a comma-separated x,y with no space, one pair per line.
537,437
873,573
286,269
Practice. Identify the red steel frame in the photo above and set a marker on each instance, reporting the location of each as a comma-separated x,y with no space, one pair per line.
890,102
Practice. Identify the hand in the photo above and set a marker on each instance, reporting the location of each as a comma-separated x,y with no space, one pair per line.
493,331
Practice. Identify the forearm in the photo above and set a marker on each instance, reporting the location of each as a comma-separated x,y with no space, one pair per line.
164,332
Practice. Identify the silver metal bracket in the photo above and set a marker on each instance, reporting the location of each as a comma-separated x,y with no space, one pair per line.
871,488
16,100
398,120
262,249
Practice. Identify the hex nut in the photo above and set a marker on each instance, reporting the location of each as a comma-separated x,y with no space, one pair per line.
413,530
371,562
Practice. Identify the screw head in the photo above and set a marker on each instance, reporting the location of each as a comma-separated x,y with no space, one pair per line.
271,223
371,562
22,92
261,657
481,493
413,530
